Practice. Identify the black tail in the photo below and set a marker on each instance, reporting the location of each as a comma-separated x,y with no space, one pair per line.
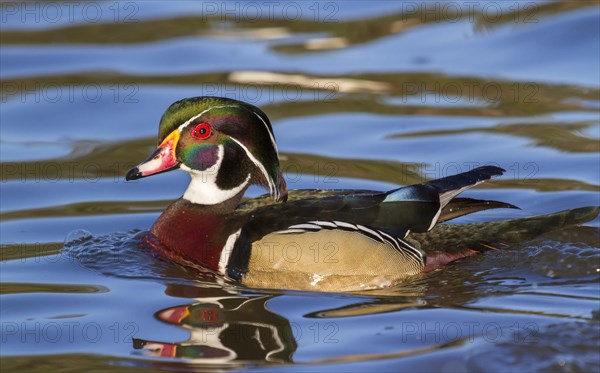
451,186
437,194
463,206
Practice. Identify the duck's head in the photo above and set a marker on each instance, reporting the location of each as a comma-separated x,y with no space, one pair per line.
224,144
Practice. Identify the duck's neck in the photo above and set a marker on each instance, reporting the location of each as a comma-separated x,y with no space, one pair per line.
221,207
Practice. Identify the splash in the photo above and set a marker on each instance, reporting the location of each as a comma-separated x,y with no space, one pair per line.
124,255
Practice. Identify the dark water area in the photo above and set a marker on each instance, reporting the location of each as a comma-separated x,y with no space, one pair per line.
365,95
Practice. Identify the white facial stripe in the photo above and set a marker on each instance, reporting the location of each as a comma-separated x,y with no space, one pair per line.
269,131
227,250
203,187
181,127
275,190
260,166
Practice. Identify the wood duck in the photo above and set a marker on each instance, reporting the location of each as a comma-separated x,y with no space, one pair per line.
306,240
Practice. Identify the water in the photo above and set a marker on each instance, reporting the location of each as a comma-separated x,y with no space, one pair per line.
361,95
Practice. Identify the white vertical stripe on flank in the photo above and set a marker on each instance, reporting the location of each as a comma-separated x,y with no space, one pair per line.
227,250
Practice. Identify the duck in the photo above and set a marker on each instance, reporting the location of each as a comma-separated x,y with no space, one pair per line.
317,240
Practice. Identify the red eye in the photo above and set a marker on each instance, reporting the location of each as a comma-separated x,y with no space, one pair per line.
201,131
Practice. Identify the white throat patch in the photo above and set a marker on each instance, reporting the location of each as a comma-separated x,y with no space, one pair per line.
203,188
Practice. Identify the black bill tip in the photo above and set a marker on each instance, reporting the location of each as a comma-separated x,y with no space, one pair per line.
133,174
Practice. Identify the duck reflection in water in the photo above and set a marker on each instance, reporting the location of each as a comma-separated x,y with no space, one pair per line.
224,327
233,329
